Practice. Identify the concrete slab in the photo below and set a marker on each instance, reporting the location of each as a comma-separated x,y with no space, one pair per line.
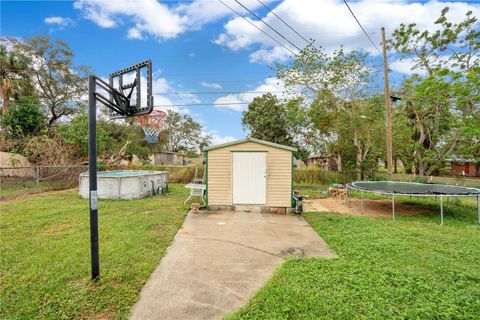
217,261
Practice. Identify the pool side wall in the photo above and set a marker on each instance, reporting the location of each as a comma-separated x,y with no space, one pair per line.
125,187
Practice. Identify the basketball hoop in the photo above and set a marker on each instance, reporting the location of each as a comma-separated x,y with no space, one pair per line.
152,125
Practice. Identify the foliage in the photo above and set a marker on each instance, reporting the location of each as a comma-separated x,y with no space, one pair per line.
269,119
265,120
61,86
75,134
442,106
46,262
25,117
343,110
130,135
14,78
405,269
182,132
49,150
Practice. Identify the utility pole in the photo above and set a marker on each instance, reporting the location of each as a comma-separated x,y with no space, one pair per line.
388,108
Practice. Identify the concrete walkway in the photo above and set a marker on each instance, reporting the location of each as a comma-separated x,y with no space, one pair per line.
217,262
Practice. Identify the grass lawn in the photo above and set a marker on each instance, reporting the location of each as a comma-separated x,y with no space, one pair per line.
10,187
45,256
411,268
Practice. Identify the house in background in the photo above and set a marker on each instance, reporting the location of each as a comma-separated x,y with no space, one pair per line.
167,157
323,162
463,167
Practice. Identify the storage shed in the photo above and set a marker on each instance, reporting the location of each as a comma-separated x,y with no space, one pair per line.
250,172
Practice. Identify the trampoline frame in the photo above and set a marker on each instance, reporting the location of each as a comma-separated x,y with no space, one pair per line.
350,186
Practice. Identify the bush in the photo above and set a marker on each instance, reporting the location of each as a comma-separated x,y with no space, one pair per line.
25,117
75,134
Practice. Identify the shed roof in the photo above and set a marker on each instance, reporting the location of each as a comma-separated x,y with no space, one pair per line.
267,143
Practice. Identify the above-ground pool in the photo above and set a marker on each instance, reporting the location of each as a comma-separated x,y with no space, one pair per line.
125,184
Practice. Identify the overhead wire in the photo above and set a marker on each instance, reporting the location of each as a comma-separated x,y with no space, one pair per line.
254,25
202,104
218,92
284,22
365,32
269,26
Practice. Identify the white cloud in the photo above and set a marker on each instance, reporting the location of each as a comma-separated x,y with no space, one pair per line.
212,85
59,21
232,101
200,12
154,18
405,67
134,33
218,139
330,23
148,16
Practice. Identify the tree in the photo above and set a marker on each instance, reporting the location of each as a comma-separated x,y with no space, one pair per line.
181,131
14,77
267,118
205,141
61,86
25,117
75,134
443,105
343,110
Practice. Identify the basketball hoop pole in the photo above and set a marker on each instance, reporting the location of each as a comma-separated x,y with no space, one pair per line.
92,176
121,104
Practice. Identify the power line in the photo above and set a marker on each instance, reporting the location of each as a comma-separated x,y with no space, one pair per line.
202,104
218,92
270,10
253,24
366,34
281,35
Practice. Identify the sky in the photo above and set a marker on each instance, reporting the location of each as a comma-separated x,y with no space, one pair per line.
201,46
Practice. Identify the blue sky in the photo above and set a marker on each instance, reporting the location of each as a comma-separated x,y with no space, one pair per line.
201,46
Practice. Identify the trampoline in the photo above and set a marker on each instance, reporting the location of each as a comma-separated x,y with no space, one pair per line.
395,188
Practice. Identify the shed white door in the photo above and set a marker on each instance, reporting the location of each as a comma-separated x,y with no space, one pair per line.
249,177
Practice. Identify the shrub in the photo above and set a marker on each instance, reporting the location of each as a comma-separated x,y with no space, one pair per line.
25,117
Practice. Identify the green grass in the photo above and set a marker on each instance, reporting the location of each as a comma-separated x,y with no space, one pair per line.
11,187
411,268
45,256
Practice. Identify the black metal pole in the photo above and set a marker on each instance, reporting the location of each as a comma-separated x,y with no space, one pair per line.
92,176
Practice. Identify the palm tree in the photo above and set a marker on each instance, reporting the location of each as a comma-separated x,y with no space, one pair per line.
14,76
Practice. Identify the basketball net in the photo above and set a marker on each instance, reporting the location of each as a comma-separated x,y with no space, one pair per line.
152,125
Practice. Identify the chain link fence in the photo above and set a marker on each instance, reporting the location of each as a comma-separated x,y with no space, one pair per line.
24,180
321,177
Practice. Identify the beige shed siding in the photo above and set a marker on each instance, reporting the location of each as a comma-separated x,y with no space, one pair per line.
279,179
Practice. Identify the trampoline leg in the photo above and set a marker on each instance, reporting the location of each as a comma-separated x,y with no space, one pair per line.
441,210
361,204
393,206
478,208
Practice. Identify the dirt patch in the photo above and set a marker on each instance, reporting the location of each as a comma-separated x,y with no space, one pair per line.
373,208
24,195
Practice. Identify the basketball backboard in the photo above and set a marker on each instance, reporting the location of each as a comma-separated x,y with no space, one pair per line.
128,91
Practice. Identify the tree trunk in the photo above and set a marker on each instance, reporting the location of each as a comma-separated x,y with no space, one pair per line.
338,160
358,157
6,102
